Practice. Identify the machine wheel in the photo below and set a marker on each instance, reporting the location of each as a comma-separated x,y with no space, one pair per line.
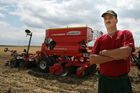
13,63
65,71
59,71
44,64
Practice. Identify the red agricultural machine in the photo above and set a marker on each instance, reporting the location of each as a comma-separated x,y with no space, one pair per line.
64,50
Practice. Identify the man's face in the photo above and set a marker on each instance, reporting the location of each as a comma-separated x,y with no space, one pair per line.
110,21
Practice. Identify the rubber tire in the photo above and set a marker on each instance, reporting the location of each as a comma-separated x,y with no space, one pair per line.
46,61
41,62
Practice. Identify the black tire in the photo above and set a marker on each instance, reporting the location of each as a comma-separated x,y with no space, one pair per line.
13,63
44,64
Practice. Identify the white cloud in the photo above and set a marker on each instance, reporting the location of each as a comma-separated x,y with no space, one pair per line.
3,8
2,15
17,36
132,25
52,14
39,15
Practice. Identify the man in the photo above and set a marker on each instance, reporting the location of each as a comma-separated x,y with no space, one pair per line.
112,52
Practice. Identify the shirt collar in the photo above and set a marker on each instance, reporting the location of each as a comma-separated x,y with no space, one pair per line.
113,34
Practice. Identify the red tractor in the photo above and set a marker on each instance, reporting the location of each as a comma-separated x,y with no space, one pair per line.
65,50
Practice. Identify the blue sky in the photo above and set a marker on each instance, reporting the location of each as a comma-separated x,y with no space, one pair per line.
39,15
11,19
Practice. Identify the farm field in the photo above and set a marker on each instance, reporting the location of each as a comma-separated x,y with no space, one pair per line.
14,80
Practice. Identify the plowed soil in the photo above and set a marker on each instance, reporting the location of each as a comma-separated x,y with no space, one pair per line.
15,80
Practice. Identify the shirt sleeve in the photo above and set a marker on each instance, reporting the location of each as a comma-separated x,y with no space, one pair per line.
128,40
96,47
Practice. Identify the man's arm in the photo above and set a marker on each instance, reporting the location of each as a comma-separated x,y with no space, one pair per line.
98,59
119,53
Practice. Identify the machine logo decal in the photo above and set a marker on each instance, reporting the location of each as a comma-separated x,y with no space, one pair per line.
61,34
74,33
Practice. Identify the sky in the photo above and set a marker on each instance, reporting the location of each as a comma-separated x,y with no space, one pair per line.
39,15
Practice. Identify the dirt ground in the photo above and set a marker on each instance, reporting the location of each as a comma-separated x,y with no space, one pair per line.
14,80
